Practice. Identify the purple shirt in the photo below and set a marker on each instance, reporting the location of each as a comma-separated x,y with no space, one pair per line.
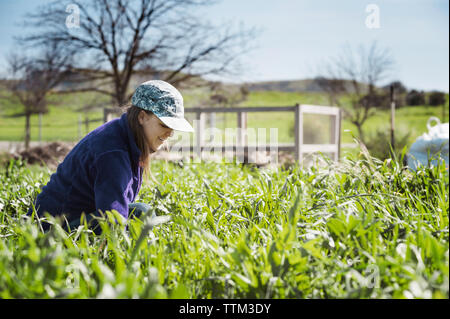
101,172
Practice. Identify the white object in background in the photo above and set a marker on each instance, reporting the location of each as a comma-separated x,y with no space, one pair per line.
430,145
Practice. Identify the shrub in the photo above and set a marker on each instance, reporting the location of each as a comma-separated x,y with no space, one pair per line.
399,88
436,98
381,101
379,143
415,98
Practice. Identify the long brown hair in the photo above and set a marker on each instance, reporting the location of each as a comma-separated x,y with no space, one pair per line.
138,132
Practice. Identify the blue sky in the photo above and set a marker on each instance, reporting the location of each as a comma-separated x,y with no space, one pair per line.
298,35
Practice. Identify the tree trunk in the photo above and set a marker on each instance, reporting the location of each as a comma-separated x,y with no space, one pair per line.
360,132
27,130
121,87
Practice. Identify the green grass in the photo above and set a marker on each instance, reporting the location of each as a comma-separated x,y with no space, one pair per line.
61,123
363,229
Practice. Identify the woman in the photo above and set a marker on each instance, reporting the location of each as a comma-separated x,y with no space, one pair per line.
104,170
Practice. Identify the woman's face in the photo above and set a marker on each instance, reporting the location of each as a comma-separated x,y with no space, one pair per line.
155,131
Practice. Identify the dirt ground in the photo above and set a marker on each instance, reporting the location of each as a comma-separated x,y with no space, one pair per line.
51,154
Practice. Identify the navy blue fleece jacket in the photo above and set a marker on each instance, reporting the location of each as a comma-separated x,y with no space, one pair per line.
101,172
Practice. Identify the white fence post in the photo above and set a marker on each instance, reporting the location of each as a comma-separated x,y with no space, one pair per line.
199,131
241,132
212,120
338,134
298,128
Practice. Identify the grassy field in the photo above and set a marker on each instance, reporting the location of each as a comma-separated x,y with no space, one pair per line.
61,123
363,229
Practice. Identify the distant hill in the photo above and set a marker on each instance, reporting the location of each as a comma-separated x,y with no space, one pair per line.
306,85
74,81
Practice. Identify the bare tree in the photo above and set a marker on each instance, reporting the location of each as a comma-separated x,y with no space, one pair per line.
352,78
333,87
32,78
226,95
117,39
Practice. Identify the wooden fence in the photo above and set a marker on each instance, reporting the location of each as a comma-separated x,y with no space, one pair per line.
299,147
